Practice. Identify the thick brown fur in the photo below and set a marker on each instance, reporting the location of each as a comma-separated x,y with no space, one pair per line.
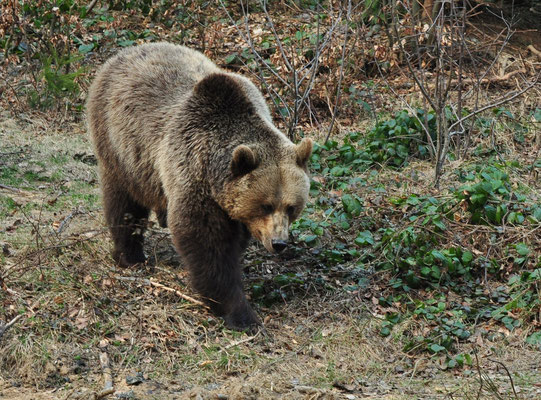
175,134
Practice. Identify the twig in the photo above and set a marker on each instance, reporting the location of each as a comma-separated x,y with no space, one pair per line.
91,6
496,103
107,378
480,376
150,282
65,221
508,375
534,51
236,343
494,79
4,328
107,374
14,189
103,393
35,253
341,75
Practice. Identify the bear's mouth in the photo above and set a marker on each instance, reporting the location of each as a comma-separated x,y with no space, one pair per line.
265,241
268,245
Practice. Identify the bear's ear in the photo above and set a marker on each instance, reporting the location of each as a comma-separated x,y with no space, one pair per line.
222,93
244,160
304,150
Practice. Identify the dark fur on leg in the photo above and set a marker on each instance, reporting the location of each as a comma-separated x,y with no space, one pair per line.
211,252
127,221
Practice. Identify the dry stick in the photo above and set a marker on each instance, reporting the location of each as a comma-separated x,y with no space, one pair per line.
508,35
421,85
13,90
250,43
236,343
480,391
102,394
494,79
91,6
312,65
66,220
248,39
534,51
291,67
150,282
107,377
14,189
4,328
407,105
497,103
53,247
508,375
341,75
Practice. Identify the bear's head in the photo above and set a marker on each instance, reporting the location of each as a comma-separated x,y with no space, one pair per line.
268,193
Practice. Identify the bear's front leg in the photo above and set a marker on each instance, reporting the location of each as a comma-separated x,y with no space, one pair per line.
211,244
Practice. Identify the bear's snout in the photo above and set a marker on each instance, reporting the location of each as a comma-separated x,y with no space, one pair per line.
278,245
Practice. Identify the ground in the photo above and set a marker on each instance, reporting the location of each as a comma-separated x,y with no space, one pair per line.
319,343
338,323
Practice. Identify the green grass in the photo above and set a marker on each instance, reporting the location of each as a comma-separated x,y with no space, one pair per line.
7,205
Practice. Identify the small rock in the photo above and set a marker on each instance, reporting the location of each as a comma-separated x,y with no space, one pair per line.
126,395
5,249
135,380
212,386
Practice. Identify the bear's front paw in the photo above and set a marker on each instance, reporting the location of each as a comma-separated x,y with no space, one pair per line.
242,319
129,259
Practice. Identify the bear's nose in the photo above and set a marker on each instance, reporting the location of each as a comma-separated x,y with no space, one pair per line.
278,245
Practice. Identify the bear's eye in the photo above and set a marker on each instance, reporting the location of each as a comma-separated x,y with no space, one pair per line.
290,210
267,209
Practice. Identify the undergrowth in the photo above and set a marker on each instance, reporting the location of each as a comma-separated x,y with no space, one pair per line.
478,240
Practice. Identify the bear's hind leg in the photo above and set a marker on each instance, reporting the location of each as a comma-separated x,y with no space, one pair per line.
127,221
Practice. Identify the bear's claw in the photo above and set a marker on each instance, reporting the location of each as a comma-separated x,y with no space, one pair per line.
242,320
126,260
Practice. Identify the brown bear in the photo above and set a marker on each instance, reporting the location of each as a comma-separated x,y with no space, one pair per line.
175,134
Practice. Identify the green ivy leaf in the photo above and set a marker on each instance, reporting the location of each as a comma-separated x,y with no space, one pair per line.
436,348
352,205
467,257
364,238
522,249
126,43
86,48
534,339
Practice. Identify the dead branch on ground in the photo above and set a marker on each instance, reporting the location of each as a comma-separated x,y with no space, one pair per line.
150,282
5,327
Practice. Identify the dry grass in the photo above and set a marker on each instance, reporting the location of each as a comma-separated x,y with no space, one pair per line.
320,343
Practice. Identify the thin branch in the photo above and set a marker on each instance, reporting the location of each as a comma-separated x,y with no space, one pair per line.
5,327
107,374
496,103
534,51
508,375
150,282
66,221
13,189
410,67
91,6
236,343
341,74
248,39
